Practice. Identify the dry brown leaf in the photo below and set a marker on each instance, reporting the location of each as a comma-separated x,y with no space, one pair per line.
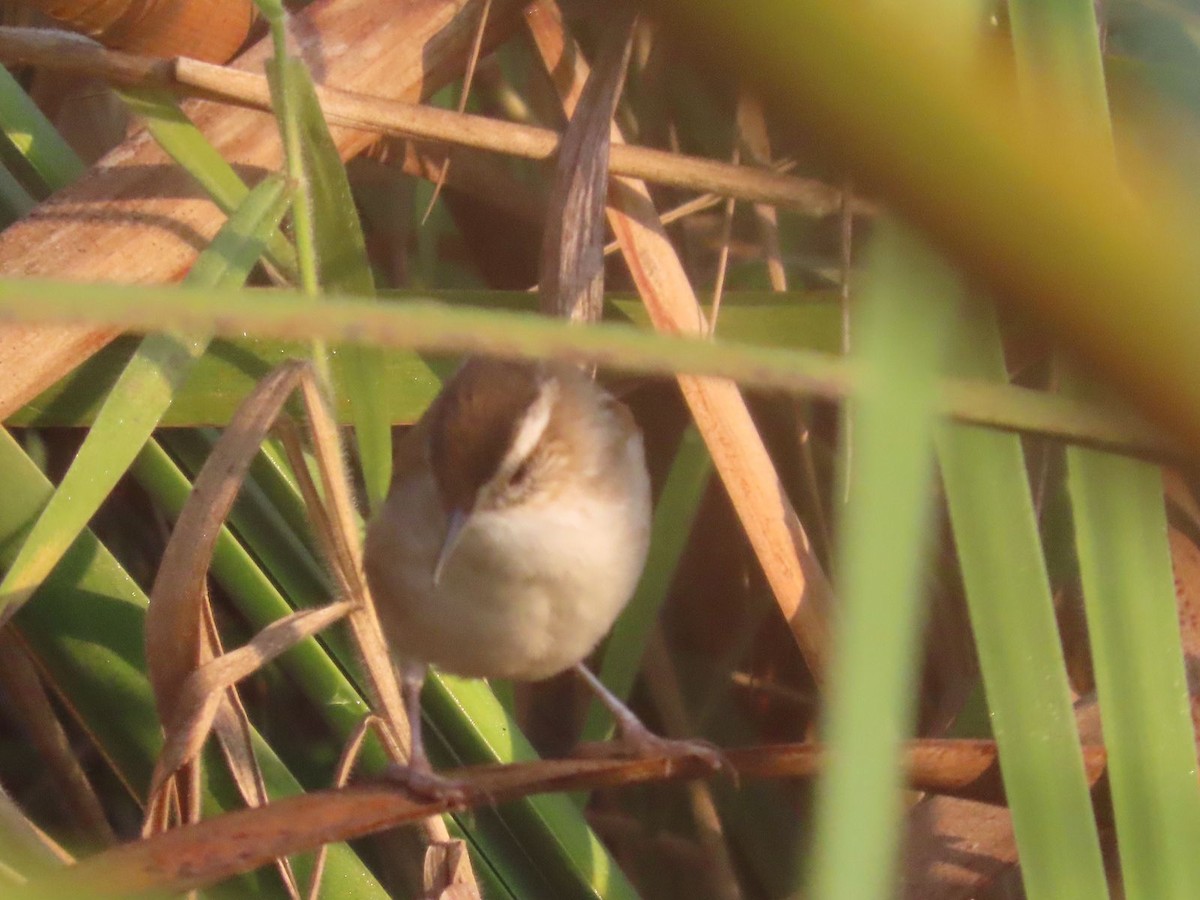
572,265
752,126
447,872
179,641
135,217
211,30
801,588
342,543
955,847
198,701
174,623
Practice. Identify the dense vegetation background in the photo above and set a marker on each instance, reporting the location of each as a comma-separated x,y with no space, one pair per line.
947,252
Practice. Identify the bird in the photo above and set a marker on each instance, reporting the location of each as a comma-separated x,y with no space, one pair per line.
514,532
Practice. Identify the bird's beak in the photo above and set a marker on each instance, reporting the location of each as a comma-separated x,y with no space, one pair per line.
455,523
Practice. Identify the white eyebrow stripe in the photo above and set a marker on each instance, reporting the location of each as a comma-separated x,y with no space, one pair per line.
531,427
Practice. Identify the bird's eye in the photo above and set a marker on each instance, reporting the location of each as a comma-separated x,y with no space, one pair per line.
520,473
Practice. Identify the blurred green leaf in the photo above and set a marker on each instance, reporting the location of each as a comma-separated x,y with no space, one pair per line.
1121,532
1031,213
230,368
904,320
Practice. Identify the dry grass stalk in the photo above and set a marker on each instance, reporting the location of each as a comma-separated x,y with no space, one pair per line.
752,126
720,412
722,255
345,106
246,839
468,77
663,682
136,217
341,777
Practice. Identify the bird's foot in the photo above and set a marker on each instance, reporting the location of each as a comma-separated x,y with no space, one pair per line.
640,742
425,784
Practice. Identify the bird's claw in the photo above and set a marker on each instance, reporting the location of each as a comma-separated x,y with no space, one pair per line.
425,784
643,744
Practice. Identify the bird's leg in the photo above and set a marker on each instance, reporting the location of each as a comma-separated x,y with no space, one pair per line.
412,681
640,740
418,775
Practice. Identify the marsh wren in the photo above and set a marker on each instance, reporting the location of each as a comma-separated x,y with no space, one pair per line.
513,535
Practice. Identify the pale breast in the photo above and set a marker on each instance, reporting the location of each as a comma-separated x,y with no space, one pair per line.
528,592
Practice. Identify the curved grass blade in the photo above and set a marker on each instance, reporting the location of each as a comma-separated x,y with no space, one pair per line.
137,401
906,312
187,145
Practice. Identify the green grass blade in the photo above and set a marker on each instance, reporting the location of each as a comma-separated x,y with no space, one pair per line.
342,266
1056,46
1133,626
669,534
185,144
34,137
136,403
1120,526
224,375
1016,635
906,310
